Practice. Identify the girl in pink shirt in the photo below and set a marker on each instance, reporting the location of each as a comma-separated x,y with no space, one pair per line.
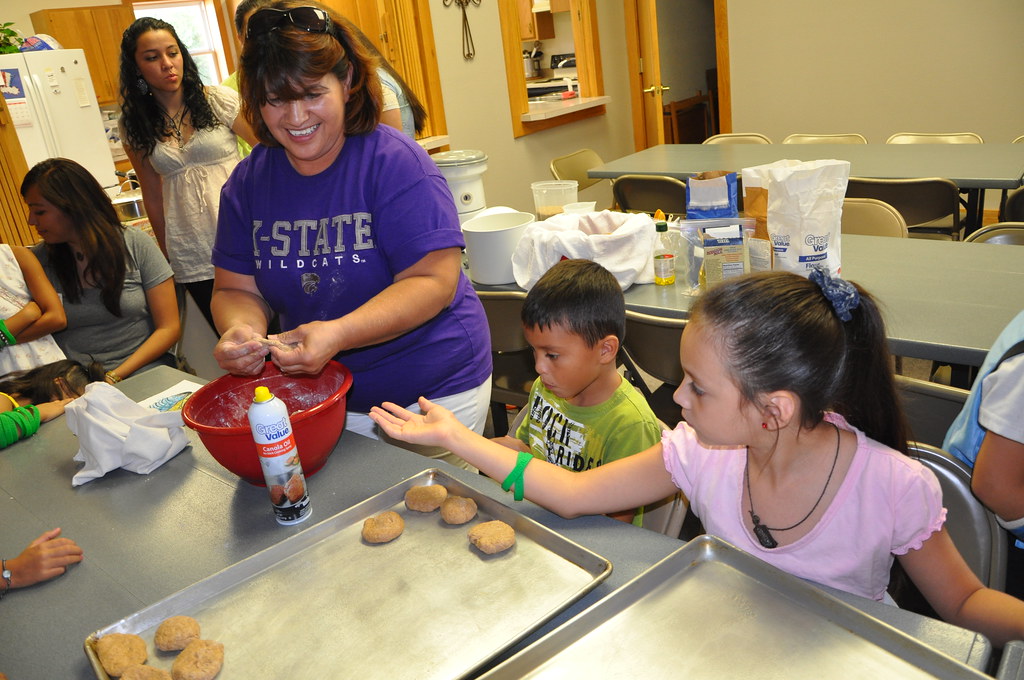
792,449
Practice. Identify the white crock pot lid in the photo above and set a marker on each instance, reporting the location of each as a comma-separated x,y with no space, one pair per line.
459,157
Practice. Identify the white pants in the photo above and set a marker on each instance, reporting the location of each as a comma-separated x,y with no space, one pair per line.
470,409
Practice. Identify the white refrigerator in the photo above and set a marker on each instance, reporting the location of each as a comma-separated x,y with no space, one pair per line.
53,106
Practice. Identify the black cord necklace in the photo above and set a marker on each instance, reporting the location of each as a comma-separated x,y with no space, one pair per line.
762,532
177,123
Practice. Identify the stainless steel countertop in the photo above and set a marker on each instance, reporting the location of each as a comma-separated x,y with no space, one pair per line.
147,537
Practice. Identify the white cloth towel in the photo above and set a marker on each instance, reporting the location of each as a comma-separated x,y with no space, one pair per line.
622,242
115,432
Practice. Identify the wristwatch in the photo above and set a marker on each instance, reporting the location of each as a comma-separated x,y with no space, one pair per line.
6,574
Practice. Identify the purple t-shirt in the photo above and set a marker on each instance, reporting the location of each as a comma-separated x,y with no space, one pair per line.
320,246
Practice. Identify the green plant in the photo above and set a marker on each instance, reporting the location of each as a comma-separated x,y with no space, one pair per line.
10,40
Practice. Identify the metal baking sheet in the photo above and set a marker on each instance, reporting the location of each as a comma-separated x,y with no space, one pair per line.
709,610
323,603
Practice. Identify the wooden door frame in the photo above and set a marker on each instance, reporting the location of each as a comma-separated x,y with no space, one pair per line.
636,81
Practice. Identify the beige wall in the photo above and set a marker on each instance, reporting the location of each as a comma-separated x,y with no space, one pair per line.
798,65
476,105
877,67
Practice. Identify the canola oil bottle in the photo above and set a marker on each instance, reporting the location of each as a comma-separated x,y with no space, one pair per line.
279,457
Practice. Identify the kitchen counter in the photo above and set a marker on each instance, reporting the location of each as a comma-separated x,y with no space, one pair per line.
553,109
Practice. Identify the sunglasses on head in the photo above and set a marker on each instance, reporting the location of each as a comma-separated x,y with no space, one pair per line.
309,19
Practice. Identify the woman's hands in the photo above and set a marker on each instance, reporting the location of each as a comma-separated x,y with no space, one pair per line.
44,558
240,352
309,347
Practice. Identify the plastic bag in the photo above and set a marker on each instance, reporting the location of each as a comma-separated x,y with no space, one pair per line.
710,195
623,243
804,210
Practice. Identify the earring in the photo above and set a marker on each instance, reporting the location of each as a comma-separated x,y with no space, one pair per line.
764,426
142,85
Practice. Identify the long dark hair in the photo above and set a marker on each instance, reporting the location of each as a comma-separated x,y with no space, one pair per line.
39,385
144,120
71,189
778,331
419,113
277,62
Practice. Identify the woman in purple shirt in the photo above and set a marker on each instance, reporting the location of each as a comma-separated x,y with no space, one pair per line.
345,229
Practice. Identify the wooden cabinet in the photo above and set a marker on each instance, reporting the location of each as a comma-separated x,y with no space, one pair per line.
560,6
95,30
534,25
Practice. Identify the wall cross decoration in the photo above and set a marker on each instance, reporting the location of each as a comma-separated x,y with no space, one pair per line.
468,49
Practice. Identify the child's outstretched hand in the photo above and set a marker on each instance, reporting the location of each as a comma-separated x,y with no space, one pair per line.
434,428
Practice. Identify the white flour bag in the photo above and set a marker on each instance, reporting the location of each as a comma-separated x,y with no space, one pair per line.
805,207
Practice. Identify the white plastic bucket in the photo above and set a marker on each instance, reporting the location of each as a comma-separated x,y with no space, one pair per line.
490,241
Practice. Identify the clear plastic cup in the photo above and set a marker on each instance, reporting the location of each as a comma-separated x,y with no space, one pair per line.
551,197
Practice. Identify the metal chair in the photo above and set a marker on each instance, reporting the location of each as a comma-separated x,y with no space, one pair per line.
972,526
930,408
941,138
514,371
1012,209
935,138
847,138
651,347
1002,233
667,515
738,138
871,217
649,193
930,206
575,166
1005,194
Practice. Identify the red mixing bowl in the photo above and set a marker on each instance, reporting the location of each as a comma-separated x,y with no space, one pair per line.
316,405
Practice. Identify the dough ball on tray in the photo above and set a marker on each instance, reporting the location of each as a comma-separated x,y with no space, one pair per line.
387,526
119,651
141,672
492,537
458,510
200,660
425,498
175,633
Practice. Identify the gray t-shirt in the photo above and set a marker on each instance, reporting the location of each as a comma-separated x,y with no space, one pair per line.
93,333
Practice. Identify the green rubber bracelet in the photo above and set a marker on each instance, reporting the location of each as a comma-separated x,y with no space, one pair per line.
33,420
8,430
515,478
8,337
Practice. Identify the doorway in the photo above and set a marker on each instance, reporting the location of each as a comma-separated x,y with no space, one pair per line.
679,89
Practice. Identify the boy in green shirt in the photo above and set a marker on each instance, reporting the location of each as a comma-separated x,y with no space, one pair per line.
581,412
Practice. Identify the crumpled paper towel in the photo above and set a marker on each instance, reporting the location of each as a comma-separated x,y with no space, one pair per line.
113,432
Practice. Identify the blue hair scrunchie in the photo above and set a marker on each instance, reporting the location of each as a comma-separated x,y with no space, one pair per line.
841,293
